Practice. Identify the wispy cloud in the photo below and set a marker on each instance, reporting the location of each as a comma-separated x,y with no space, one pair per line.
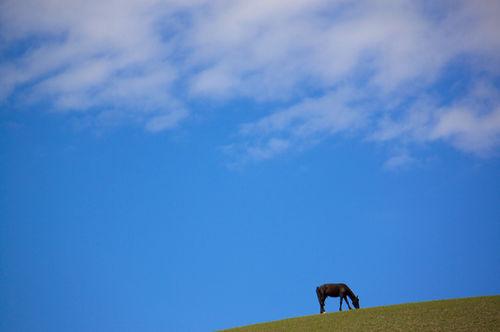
304,124
89,56
398,161
471,122
371,69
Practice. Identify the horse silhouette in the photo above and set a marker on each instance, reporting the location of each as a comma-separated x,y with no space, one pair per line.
336,290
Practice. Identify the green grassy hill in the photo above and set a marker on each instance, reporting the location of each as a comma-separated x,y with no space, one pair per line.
470,314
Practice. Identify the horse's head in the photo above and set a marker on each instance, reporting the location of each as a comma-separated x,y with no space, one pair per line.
355,302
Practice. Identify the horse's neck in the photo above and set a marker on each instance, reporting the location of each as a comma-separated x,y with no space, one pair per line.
350,293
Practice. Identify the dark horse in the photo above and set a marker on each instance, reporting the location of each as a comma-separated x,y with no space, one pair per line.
336,290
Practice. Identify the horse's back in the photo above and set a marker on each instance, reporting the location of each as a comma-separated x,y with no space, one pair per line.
336,285
332,290
335,290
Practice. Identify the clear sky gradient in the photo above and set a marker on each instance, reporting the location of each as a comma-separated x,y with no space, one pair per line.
198,165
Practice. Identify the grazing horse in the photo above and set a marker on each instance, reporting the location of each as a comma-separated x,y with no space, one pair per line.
336,290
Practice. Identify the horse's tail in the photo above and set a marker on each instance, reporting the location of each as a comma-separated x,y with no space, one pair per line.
319,292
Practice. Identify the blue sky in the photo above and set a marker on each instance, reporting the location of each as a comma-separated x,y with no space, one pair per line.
197,165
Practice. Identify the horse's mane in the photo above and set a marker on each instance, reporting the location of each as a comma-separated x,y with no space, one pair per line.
349,291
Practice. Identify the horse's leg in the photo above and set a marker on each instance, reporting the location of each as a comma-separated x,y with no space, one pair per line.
345,298
321,300
340,304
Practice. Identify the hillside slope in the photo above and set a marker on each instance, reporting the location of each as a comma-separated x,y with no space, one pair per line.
470,314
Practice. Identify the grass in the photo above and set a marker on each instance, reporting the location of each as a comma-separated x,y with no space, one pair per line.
470,314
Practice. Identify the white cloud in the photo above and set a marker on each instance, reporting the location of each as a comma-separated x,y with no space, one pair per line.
398,161
90,56
469,130
389,53
471,123
162,122
365,68
272,147
327,114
